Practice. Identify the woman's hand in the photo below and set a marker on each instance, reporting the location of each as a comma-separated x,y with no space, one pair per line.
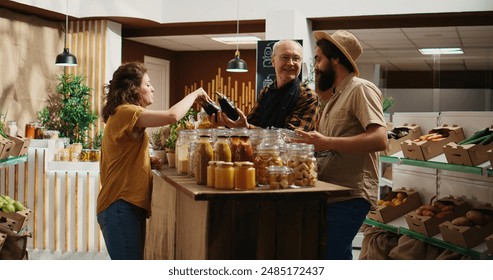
202,94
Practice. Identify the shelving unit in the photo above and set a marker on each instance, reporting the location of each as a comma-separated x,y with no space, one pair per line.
440,162
12,161
399,226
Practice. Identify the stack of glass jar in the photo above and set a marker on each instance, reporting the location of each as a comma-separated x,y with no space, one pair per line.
227,159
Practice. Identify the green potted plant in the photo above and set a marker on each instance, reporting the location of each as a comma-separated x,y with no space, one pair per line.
69,110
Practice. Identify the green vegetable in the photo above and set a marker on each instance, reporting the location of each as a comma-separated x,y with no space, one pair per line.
488,140
478,134
476,140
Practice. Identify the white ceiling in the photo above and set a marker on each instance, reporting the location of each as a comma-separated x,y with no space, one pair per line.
392,48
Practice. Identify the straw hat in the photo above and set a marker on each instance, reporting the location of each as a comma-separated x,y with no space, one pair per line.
346,42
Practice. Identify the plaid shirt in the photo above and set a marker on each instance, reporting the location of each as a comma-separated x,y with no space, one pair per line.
305,114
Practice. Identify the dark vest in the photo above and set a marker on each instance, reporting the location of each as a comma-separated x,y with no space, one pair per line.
277,105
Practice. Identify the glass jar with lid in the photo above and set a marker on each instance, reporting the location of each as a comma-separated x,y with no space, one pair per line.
302,161
211,174
280,177
12,128
244,175
244,151
222,150
191,159
266,156
224,176
204,154
30,128
185,136
234,138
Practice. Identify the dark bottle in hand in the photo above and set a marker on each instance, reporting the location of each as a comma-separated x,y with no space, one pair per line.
227,107
209,107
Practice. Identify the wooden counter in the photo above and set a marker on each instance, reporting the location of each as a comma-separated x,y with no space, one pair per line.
189,221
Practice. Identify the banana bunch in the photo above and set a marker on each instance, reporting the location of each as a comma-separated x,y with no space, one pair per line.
9,205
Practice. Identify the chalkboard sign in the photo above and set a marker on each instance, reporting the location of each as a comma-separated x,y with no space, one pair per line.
265,71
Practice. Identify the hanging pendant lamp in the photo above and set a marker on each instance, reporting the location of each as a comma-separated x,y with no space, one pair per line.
237,64
66,58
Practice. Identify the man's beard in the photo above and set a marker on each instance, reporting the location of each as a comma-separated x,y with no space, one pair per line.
325,79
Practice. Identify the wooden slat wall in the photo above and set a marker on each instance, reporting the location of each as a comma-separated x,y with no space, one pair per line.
87,41
243,96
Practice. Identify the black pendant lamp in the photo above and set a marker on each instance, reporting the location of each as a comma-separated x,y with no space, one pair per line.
237,64
66,58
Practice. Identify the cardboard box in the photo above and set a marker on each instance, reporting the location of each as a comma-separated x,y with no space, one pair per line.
3,237
490,156
425,150
394,145
5,147
428,225
489,243
470,155
385,214
466,236
21,144
21,218
7,223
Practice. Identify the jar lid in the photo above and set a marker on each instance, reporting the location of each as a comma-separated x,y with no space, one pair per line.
224,164
273,169
244,163
213,162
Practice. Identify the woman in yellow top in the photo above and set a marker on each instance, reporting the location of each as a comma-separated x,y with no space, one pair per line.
124,200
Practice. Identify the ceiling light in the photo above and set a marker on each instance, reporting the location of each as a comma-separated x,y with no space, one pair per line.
242,40
66,58
237,64
432,51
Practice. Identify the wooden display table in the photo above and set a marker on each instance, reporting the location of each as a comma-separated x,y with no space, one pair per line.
189,221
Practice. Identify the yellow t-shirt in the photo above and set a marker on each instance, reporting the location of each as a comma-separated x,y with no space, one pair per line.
125,165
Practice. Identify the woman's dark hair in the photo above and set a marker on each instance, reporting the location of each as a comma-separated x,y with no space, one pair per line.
124,88
332,51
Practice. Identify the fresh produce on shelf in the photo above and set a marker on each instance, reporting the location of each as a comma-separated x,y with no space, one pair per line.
9,205
398,199
483,137
474,217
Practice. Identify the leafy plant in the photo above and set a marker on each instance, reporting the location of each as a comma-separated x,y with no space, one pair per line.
388,102
69,110
183,123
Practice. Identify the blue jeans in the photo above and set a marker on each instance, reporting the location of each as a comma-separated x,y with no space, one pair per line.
123,226
344,219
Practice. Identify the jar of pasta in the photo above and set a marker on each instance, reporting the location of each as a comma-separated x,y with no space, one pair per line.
303,163
280,177
224,176
267,155
244,175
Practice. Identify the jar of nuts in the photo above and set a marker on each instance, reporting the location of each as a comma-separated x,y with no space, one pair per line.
266,156
303,163
280,177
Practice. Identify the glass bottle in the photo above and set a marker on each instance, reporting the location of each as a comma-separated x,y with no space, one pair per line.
224,176
227,107
244,175
234,139
204,154
209,107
